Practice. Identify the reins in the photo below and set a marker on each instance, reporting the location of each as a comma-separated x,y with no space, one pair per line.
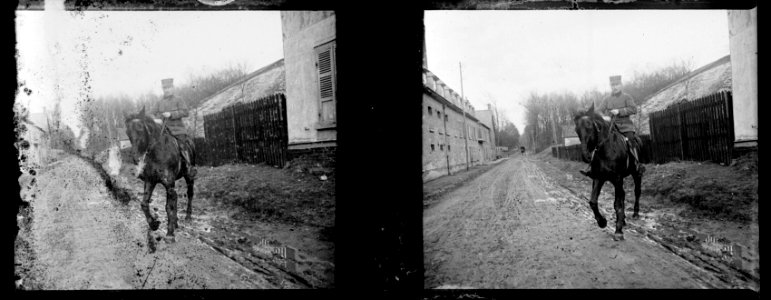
610,133
163,128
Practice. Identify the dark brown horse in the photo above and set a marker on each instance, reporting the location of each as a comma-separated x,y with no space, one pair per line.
607,152
159,161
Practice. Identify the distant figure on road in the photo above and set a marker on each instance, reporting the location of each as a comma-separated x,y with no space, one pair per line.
173,109
620,105
522,149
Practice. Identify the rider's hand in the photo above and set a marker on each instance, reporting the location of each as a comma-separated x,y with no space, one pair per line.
614,111
166,114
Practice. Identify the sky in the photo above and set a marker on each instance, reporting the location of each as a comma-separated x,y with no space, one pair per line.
506,55
73,56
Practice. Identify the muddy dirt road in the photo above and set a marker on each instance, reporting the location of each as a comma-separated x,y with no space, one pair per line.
76,236
514,227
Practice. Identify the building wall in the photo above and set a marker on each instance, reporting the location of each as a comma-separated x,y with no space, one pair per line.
302,32
714,77
443,129
570,141
743,35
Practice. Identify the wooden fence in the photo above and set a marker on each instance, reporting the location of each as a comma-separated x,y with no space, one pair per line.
699,130
573,152
252,132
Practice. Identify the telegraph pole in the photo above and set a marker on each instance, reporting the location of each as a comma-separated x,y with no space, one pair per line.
463,108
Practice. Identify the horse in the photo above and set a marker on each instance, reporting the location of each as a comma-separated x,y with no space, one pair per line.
605,148
160,162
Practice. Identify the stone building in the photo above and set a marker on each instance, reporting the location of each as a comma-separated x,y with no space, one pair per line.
307,76
706,80
263,82
743,43
454,138
311,78
569,135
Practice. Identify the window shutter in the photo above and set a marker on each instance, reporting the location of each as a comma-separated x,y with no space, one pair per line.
325,64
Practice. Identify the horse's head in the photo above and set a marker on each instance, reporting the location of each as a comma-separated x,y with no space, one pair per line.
139,129
589,124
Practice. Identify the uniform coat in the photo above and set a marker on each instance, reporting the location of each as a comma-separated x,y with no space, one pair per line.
178,110
626,107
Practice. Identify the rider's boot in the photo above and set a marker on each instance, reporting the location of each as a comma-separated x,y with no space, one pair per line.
638,167
191,170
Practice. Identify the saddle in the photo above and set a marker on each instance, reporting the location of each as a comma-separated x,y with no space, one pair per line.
629,146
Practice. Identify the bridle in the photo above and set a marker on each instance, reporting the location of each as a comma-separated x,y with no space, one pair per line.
147,129
610,133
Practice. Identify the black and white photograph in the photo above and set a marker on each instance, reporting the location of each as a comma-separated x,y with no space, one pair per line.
590,149
175,149
219,147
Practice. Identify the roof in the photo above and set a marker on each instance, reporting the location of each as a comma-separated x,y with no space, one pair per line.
122,136
709,79
266,81
569,131
469,115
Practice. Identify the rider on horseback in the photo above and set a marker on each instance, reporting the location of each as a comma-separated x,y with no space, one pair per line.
621,106
173,109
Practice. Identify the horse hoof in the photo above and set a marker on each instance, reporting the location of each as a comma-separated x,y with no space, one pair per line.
154,225
635,216
618,237
188,218
602,223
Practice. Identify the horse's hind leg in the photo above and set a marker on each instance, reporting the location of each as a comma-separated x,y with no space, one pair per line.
152,219
618,205
190,183
171,211
637,190
596,188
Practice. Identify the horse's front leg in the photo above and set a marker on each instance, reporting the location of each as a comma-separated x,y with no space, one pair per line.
596,188
152,218
637,190
619,205
171,211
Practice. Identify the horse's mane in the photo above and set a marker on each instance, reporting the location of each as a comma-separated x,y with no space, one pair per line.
153,127
593,115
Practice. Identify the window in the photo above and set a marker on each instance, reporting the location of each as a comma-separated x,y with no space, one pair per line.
327,76
448,147
432,147
439,114
430,112
446,118
441,147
